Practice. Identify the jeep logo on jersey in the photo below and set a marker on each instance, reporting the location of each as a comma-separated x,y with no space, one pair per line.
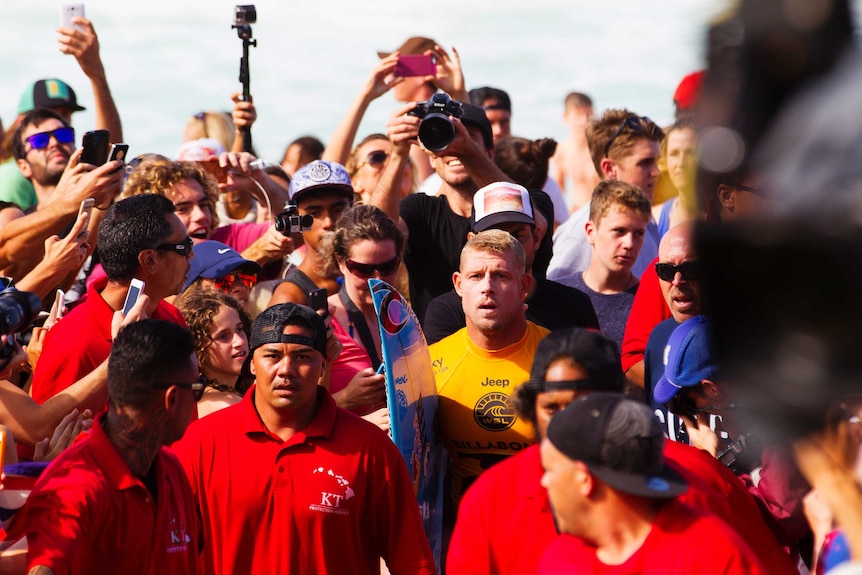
494,412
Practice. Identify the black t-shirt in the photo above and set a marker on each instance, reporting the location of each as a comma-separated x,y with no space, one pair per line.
436,236
552,305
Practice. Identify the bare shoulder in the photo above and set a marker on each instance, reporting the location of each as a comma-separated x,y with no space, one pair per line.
288,292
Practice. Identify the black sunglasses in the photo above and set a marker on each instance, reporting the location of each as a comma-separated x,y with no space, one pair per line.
366,271
690,271
633,123
184,249
196,387
374,159
41,140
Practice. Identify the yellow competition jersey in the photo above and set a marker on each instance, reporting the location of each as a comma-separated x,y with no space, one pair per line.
477,418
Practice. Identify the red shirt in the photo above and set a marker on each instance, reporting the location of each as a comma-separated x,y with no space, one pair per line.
80,342
682,542
716,489
334,498
89,514
504,521
649,309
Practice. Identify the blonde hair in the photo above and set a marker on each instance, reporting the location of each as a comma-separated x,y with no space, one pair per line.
216,125
497,242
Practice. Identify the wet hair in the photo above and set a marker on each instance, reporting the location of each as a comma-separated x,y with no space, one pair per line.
609,193
578,100
525,161
32,118
497,242
361,222
160,177
129,227
143,354
199,308
310,149
501,100
600,132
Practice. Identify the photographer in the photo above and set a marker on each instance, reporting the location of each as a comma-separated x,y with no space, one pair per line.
437,226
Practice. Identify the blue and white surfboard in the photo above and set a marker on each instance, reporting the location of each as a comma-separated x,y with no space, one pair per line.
412,397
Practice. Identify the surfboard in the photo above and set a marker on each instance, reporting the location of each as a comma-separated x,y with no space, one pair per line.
412,398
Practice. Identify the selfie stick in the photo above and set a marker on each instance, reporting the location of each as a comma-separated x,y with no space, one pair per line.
244,17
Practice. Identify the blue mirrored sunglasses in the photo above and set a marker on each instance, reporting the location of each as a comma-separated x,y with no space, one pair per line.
41,140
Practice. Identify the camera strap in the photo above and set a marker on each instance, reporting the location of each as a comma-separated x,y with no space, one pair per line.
357,320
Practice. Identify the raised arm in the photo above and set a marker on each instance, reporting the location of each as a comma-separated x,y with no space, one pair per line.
403,131
84,46
378,83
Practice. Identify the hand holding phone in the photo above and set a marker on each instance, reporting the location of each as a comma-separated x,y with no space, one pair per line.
416,65
135,289
317,300
69,11
95,147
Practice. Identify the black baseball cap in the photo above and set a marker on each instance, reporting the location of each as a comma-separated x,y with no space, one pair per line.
49,93
269,325
475,115
620,440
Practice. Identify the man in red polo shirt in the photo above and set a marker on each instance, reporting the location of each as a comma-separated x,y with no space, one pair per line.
118,501
286,482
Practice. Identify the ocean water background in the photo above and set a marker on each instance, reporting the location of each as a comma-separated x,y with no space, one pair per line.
168,60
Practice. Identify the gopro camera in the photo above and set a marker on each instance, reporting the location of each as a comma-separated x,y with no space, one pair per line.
290,222
244,14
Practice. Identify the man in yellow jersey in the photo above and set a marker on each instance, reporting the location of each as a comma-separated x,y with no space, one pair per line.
478,367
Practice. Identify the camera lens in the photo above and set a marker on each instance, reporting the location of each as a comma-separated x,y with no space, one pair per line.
436,132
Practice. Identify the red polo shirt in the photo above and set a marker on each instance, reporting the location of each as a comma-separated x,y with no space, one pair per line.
89,514
334,498
682,541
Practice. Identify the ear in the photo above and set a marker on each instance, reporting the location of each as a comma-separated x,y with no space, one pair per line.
147,261
590,230
584,481
470,236
251,366
170,399
456,281
526,282
609,168
725,197
710,390
25,168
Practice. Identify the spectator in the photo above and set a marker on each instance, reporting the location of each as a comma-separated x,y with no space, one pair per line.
572,167
301,152
216,266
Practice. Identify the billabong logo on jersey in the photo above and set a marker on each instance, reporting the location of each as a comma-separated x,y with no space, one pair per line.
494,412
335,492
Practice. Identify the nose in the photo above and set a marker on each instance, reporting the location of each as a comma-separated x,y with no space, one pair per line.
286,368
677,279
628,241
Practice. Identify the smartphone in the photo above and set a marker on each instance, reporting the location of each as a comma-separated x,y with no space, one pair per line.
416,65
86,207
317,300
118,152
69,11
59,305
135,289
95,146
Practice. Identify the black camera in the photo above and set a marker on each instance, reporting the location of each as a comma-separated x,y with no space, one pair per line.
290,222
436,130
244,14
18,309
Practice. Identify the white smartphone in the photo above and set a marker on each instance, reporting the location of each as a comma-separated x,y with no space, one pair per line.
59,304
69,11
86,206
135,289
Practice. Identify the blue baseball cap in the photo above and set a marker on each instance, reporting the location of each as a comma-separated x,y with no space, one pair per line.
321,176
689,359
214,260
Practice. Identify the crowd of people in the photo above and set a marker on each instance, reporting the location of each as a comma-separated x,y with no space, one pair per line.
234,418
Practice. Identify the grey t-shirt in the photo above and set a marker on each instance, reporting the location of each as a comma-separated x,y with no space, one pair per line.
611,309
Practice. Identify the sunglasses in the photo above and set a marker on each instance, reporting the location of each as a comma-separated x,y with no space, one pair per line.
690,271
366,271
633,123
751,189
196,387
225,283
374,159
41,140
184,249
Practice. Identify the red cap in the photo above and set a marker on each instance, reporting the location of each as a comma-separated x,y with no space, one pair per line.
688,91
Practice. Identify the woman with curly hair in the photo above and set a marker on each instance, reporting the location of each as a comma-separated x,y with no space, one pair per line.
219,328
